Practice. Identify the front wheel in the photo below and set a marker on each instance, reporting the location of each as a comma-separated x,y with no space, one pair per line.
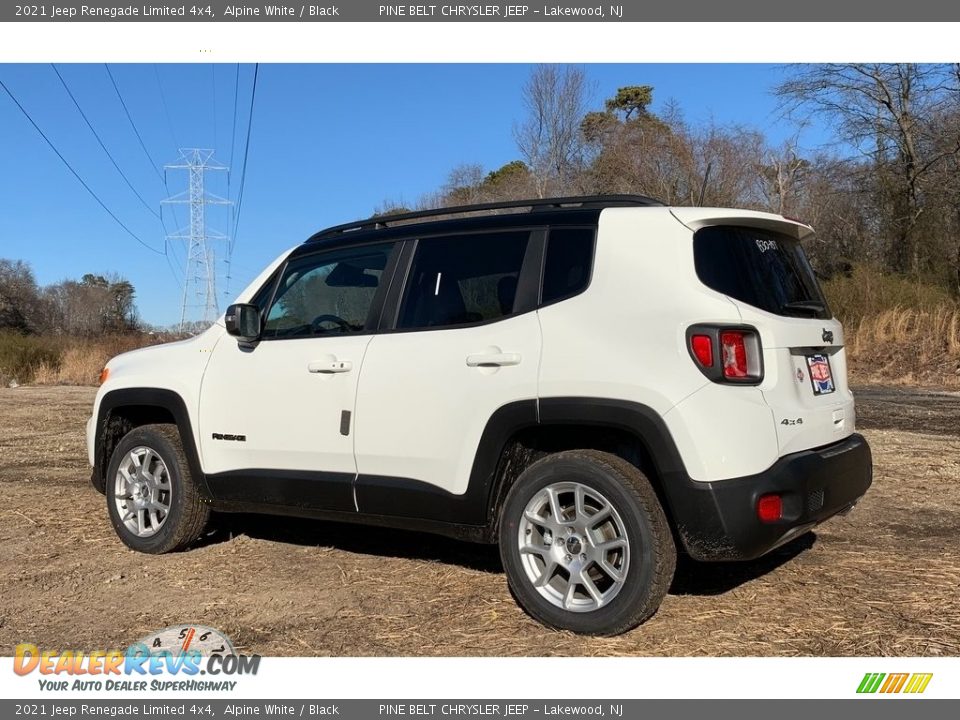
585,543
152,498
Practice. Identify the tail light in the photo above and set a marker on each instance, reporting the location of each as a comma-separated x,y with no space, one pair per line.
727,354
733,350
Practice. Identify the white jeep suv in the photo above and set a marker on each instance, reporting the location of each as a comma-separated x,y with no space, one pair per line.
592,383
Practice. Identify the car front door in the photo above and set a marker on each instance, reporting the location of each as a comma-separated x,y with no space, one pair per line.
276,418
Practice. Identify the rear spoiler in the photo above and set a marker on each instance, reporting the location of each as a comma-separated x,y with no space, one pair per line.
696,218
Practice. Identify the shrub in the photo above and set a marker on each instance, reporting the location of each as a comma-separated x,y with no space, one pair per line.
22,355
869,292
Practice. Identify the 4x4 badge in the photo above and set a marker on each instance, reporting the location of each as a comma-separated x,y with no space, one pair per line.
827,335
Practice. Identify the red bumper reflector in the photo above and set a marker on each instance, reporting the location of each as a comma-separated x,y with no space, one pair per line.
702,347
769,508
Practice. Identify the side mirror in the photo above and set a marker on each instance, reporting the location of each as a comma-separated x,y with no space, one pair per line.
243,322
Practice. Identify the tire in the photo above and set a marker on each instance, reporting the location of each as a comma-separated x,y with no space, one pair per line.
136,506
615,506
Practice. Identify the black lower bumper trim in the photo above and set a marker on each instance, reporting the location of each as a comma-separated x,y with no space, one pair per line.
718,520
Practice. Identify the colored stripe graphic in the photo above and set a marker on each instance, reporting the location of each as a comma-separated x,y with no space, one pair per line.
870,682
918,683
894,683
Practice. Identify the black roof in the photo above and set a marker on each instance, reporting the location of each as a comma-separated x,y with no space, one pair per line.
580,209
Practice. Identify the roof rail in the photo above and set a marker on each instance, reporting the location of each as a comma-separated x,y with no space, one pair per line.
580,202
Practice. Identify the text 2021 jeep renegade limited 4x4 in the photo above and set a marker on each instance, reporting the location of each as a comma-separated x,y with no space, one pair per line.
591,383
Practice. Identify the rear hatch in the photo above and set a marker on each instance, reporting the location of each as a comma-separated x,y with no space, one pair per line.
756,260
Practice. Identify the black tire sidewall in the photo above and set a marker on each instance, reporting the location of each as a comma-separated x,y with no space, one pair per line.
616,616
161,541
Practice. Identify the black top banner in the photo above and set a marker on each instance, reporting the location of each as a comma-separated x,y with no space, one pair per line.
559,11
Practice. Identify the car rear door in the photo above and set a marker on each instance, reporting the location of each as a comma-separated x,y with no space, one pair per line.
466,342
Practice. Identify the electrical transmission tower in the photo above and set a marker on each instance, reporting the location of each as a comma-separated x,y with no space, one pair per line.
200,275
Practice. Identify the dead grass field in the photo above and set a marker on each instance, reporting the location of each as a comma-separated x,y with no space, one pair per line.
885,580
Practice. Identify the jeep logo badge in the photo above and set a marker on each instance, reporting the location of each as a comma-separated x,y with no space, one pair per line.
827,335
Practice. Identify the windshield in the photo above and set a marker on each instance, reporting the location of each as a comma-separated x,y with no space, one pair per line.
765,269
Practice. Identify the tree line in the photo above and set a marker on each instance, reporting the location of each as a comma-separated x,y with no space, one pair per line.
886,192
93,305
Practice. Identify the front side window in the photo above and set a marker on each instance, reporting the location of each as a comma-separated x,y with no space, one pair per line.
463,279
327,294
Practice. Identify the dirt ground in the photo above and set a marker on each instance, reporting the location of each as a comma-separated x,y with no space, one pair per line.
884,580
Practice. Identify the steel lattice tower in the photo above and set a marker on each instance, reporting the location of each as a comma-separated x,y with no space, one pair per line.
200,274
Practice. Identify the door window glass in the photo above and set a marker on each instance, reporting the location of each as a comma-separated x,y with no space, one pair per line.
463,279
328,293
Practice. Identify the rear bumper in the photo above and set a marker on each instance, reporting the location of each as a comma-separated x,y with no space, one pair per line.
718,520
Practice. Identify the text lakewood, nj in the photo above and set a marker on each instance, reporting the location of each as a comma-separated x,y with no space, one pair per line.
505,11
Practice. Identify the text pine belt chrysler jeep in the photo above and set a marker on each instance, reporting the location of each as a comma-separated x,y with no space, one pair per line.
592,383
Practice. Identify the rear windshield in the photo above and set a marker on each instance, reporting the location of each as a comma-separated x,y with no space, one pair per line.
761,268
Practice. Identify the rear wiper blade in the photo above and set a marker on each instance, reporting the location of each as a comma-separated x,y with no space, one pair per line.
803,307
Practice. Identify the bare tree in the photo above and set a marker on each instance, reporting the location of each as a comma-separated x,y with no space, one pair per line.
779,176
463,185
549,139
880,111
20,302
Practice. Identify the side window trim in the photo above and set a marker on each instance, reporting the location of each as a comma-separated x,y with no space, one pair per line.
530,280
398,283
386,304
268,290
374,314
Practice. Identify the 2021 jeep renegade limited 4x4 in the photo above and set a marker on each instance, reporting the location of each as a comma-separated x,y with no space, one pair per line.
592,384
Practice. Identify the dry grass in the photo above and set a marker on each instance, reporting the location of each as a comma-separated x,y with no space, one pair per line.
81,361
868,292
907,346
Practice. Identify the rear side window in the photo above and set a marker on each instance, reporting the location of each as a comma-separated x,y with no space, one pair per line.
569,259
761,268
463,279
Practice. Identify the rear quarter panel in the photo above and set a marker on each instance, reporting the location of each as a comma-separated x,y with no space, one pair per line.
625,338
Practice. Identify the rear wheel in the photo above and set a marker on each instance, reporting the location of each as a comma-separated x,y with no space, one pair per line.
585,543
152,498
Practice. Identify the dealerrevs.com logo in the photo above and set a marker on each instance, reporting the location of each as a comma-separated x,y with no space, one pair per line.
910,683
170,659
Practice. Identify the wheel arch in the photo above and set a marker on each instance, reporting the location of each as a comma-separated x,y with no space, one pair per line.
124,409
633,431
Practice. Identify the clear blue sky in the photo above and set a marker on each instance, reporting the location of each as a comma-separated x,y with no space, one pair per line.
329,144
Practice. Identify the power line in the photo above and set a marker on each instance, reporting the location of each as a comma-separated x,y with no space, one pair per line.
166,109
176,144
159,215
173,272
246,153
74,172
213,94
136,132
233,131
233,142
107,152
